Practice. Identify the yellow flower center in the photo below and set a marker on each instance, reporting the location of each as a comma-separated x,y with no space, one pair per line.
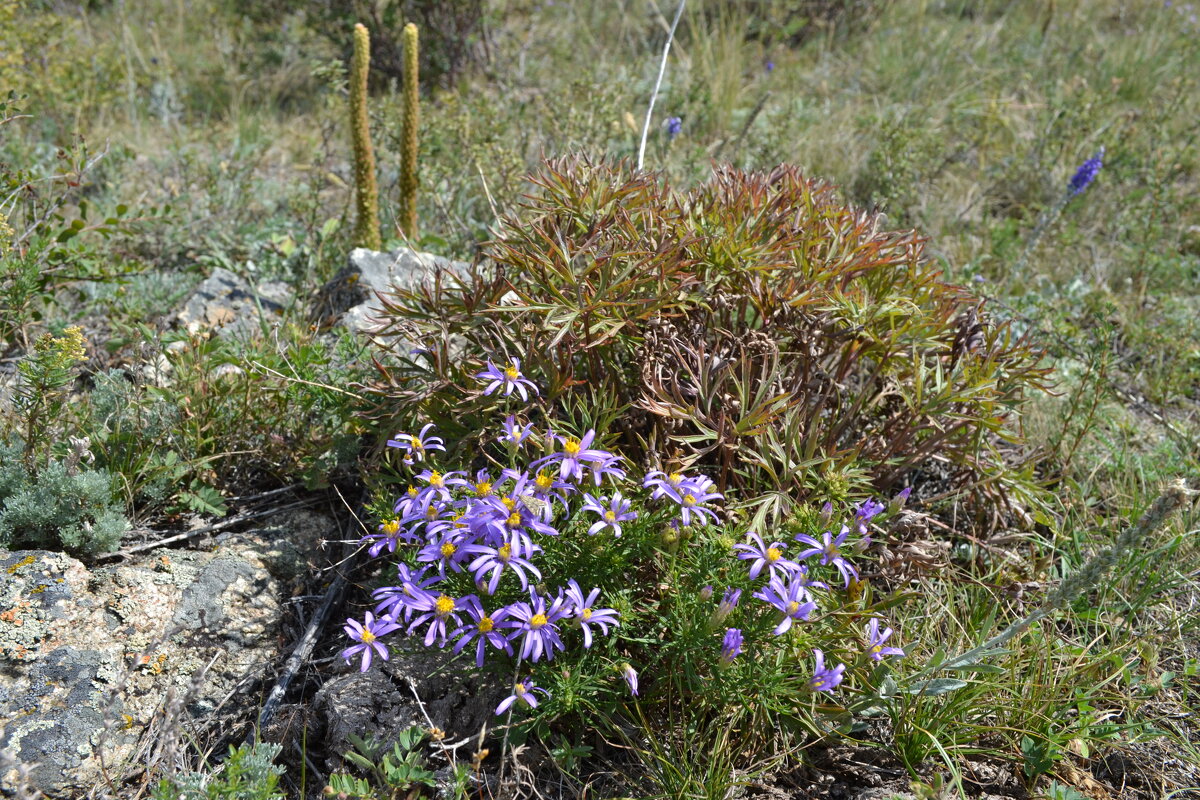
571,446
689,500
483,489
818,682
443,605
611,516
876,649
435,479
519,690
792,607
773,554
505,552
431,513
543,481
514,520
486,625
586,614
538,621
448,550
675,478
412,491
391,527
509,503
367,636
512,373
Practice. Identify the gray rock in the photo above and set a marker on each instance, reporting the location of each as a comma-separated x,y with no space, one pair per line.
89,660
229,305
350,298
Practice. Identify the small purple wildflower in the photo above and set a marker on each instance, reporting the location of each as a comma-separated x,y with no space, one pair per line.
769,557
791,599
513,554
572,456
510,378
875,640
514,433
829,552
692,503
484,628
731,646
440,610
631,677
825,680
367,635
728,603
769,66
1086,173
416,445
673,126
584,615
538,623
900,499
523,694
613,511
706,593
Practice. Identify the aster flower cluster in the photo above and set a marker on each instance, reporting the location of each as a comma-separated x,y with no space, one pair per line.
790,585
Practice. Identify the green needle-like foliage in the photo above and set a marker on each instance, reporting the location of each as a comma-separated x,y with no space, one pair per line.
366,191
408,135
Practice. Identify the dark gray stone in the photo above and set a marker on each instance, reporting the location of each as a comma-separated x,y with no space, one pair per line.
229,305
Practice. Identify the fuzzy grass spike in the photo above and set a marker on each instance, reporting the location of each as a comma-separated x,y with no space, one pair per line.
408,135
366,232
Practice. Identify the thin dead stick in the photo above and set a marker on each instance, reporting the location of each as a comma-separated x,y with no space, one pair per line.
183,537
303,648
662,69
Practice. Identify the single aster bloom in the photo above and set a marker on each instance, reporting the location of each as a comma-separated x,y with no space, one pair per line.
791,599
866,511
513,555
538,623
731,646
387,537
439,483
523,694
729,601
417,445
631,678
875,642
440,611
763,556
673,485
825,680
396,600
828,550
367,635
673,126
584,616
484,628
607,469
691,504
445,551
513,433
574,453
510,378
613,511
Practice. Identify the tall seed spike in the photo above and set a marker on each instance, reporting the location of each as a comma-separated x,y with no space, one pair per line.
408,135
366,229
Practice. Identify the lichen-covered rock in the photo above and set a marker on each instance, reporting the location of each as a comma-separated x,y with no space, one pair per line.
349,298
87,658
229,305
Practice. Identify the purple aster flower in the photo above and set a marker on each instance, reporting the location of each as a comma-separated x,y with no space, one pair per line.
673,485
612,512
692,504
484,628
1086,173
584,615
829,553
510,378
514,433
445,551
875,640
866,511
606,469
367,635
440,610
673,126
547,488
513,554
728,603
825,680
387,537
393,600
791,599
573,455
764,556
417,445
631,678
706,593
769,66
538,623
440,483
900,499
731,646
523,694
